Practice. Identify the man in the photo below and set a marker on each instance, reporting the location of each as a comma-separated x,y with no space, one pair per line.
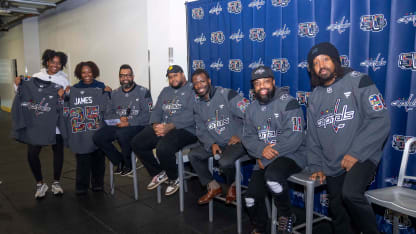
130,106
348,123
273,134
173,127
219,124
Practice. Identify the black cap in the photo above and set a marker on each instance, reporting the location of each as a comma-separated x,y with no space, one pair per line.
262,72
323,48
173,69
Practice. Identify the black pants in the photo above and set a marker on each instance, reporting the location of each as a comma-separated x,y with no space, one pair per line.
166,147
104,138
347,201
90,169
33,152
230,153
272,179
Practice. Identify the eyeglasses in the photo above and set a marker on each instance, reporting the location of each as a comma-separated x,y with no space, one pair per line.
125,75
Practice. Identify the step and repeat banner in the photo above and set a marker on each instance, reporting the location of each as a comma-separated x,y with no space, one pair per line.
230,38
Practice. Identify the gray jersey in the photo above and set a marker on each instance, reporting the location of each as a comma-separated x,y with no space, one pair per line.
347,117
220,118
36,111
278,122
83,111
136,105
175,106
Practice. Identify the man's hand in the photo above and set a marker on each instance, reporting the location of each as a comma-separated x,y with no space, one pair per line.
124,122
260,164
318,176
17,80
348,162
67,89
216,149
163,129
61,92
234,140
269,152
107,89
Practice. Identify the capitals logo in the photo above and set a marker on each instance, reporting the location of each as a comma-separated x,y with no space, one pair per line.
302,97
280,65
407,61
217,37
200,40
373,23
340,26
243,104
280,3
256,4
235,65
308,29
216,9
283,32
198,64
234,7
345,62
256,64
303,64
257,34
398,142
375,64
238,36
198,13
331,117
410,17
217,65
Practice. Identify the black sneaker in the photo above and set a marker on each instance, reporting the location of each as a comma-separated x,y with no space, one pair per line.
285,224
126,171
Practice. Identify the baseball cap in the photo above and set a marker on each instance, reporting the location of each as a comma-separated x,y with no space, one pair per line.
173,69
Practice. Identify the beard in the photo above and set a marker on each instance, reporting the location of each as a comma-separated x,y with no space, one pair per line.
178,85
127,85
265,98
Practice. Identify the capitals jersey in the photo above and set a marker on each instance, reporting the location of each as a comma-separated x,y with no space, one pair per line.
83,111
346,117
135,104
220,118
175,106
35,111
279,122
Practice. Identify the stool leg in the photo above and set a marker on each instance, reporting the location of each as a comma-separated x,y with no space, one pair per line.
159,194
238,192
111,179
185,185
309,206
395,226
136,189
274,217
181,180
269,212
211,203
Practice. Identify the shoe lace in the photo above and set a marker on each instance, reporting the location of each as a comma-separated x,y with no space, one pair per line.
285,224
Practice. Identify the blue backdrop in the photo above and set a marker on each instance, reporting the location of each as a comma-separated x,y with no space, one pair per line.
377,37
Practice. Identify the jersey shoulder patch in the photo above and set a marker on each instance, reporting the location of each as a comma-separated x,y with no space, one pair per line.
365,82
231,94
292,104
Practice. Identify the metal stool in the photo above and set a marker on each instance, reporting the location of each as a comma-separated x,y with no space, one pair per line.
238,187
135,185
399,199
302,178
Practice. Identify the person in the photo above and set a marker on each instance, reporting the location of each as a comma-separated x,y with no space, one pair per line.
274,135
90,164
348,124
131,105
218,115
53,63
173,127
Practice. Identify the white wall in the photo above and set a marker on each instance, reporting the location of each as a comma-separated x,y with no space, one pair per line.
110,33
11,47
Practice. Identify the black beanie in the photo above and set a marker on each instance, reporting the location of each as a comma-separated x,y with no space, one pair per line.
323,48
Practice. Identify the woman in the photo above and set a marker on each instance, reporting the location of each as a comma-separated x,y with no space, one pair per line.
53,62
91,165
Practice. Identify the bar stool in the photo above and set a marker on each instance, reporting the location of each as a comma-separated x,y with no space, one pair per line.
302,178
135,179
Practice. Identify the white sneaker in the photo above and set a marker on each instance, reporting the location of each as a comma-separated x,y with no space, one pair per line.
56,188
173,186
157,180
41,190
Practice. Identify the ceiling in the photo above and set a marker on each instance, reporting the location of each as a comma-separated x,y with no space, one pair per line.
12,12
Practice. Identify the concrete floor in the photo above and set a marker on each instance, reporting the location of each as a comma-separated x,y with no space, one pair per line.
99,212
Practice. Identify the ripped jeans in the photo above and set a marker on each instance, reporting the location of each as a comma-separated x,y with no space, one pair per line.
272,179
